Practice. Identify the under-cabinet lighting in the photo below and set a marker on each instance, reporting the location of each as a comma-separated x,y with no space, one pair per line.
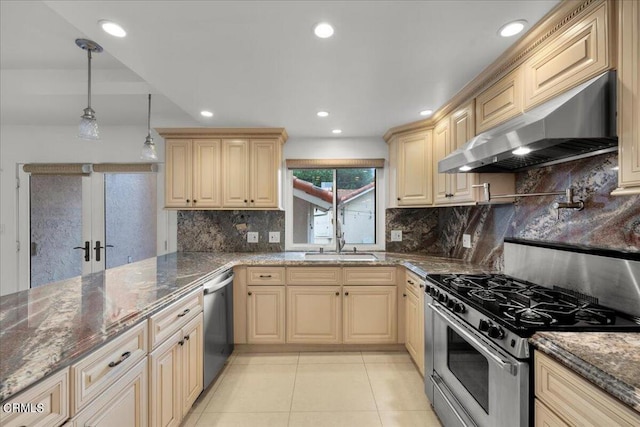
464,168
521,151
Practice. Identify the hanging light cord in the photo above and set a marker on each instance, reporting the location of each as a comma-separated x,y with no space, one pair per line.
89,91
149,119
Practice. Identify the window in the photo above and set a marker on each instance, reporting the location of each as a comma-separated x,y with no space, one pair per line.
319,196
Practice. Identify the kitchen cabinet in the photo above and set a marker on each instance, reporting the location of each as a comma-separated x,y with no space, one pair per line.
314,314
369,314
628,98
578,53
192,173
265,276
52,394
176,374
500,102
414,168
125,403
564,398
265,314
414,318
223,168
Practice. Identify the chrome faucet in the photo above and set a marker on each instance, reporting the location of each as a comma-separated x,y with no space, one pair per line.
340,242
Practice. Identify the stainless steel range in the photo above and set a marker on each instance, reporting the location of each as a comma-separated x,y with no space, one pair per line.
477,327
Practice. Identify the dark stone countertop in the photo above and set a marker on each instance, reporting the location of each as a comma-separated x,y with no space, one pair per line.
45,329
610,360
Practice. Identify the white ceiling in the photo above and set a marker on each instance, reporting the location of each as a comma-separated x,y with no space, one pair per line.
251,63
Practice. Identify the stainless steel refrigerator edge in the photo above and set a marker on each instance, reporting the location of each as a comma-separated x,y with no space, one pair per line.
218,324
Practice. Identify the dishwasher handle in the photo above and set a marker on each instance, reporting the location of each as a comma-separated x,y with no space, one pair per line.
217,286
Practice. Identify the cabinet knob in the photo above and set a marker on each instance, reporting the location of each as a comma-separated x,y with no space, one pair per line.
245,200
195,201
181,342
188,201
186,338
251,200
346,293
404,295
337,293
398,198
249,293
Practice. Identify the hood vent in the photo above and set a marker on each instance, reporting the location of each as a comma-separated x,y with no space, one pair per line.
579,123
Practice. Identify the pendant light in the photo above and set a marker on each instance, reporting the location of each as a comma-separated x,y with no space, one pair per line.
88,128
149,148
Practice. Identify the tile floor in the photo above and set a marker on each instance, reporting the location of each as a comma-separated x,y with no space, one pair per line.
315,389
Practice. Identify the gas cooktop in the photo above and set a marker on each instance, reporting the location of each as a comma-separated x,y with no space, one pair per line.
525,307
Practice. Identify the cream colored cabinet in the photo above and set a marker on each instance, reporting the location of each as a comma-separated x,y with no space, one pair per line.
369,314
414,318
565,398
578,53
192,173
414,169
314,314
500,102
125,403
265,314
441,147
176,379
52,395
250,173
628,98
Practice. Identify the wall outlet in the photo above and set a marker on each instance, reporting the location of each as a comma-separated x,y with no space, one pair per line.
396,235
466,240
252,237
274,237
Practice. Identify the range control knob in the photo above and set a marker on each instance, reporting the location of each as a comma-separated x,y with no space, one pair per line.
427,289
458,307
443,298
450,304
496,332
484,325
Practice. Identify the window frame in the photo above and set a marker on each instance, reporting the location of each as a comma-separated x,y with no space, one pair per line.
290,246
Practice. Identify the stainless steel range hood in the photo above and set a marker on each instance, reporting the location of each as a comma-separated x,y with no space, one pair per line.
579,123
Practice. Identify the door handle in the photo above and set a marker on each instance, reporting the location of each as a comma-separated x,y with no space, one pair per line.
87,250
98,247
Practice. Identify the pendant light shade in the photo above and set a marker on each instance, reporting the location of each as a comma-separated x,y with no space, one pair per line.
88,128
149,148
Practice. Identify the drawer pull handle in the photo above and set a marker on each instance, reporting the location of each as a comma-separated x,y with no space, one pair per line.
122,359
265,276
421,286
410,282
184,313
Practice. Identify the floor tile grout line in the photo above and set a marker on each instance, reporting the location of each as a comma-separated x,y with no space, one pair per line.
293,392
375,401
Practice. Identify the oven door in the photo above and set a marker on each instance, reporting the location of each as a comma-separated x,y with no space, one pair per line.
475,383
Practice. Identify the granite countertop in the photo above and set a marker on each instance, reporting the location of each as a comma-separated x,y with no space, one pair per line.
45,329
610,360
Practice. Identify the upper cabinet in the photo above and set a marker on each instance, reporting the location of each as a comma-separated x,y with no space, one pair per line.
500,102
223,168
413,164
628,98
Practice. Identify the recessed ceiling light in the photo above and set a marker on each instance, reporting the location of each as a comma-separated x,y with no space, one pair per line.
512,28
112,28
521,151
464,168
323,113
205,113
426,112
336,131
323,30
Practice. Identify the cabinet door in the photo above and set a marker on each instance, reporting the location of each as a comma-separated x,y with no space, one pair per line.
414,174
178,173
462,130
314,314
265,169
123,404
369,314
265,314
414,328
235,173
545,417
164,383
206,173
192,362
441,147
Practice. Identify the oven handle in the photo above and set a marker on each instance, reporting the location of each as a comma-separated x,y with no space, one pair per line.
507,366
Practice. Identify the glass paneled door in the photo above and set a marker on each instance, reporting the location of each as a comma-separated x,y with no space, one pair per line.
79,224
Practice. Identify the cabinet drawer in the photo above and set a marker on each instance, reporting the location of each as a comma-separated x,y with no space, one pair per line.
52,395
575,399
500,102
92,375
414,284
576,55
369,275
265,275
313,276
164,323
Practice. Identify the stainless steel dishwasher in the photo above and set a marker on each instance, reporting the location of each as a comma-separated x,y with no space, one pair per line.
218,324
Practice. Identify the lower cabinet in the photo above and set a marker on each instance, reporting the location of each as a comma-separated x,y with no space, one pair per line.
176,374
125,403
369,314
265,314
314,314
414,328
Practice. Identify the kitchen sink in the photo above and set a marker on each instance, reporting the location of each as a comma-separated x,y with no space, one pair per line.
343,256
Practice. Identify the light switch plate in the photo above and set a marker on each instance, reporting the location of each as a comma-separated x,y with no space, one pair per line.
396,235
274,237
252,237
466,240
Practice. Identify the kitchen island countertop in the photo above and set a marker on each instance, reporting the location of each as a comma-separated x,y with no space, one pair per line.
610,360
45,329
